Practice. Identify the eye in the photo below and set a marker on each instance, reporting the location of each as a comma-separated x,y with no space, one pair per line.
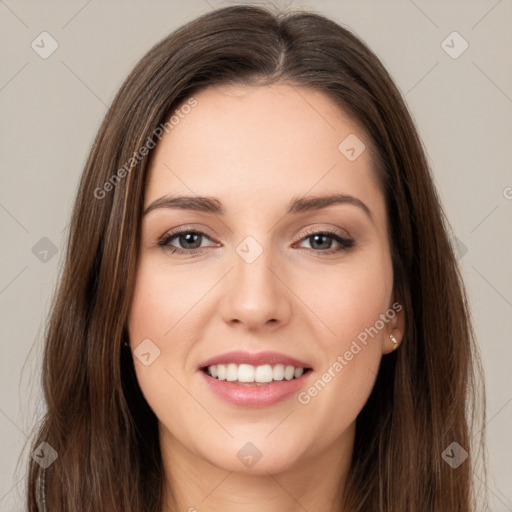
323,240
190,241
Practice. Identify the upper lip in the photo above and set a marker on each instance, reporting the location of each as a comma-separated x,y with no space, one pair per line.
256,359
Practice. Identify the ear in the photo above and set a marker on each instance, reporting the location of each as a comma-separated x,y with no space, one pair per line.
394,327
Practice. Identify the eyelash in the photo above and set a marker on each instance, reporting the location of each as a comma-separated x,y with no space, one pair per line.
345,243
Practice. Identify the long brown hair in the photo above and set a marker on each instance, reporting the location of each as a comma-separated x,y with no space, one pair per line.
425,396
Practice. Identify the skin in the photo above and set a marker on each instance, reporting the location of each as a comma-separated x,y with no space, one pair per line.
254,148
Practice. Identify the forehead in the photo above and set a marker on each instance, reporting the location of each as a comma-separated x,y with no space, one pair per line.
250,146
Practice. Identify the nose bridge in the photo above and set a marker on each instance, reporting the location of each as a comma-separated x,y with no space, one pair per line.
255,295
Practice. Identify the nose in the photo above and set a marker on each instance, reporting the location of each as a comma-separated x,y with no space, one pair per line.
255,294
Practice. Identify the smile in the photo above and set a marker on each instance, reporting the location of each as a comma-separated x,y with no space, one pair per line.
247,373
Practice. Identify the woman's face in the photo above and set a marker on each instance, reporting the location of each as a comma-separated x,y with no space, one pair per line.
260,278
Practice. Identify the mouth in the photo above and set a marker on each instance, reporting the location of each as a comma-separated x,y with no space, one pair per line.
248,386
256,380
250,375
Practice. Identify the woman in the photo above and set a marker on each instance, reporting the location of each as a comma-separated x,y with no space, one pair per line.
260,307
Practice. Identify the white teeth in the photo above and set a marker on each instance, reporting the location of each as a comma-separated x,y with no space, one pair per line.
278,372
288,372
232,372
248,373
264,373
245,373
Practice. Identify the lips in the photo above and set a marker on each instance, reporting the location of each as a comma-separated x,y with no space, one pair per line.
255,359
254,395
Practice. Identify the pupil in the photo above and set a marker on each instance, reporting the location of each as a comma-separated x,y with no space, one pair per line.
316,237
188,239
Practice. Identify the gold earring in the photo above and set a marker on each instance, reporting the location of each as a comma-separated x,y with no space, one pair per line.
395,342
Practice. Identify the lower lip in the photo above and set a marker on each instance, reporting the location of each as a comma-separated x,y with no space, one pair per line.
253,395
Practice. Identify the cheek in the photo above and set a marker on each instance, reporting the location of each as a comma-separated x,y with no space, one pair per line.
352,306
351,299
161,299
164,310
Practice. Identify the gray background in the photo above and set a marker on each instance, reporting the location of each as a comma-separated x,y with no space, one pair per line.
52,107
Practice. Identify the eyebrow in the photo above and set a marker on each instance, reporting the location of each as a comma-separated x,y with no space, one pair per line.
297,205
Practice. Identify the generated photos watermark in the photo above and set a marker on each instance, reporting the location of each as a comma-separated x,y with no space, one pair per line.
334,369
174,120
